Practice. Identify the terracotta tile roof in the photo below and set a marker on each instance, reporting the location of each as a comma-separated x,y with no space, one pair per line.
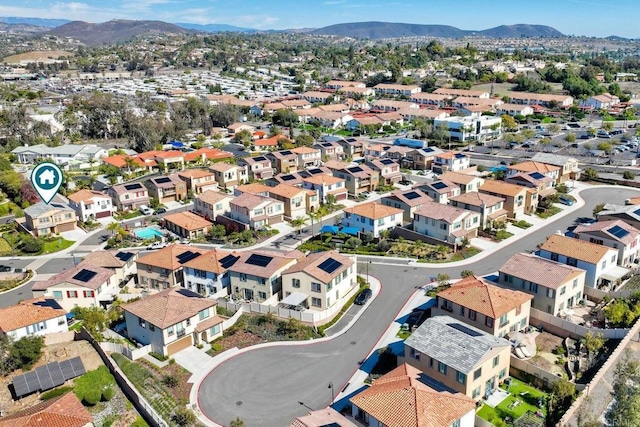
400,399
326,417
209,154
253,188
28,312
106,259
188,220
222,167
171,154
87,196
305,150
474,198
251,201
167,257
323,179
458,178
539,270
286,191
62,411
476,294
210,261
415,201
534,167
278,261
605,227
374,210
212,197
159,181
311,262
195,173
101,277
574,248
169,307
118,161
208,323
439,211
501,187
269,142
336,164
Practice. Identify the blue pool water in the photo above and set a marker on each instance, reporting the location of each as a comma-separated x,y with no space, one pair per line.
148,233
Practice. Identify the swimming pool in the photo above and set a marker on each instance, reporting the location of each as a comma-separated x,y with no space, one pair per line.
148,233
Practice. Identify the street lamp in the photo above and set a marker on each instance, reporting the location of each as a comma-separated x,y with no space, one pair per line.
74,258
332,392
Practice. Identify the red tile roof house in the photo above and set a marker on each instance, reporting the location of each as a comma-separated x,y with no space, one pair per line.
135,164
84,285
210,204
486,306
129,196
91,204
187,225
446,223
198,180
256,211
172,320
61,411
258,167
402,398
37,316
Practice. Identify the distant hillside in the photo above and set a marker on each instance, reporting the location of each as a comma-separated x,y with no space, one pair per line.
380,30
519,30
114,31
215,28
38,22
36,55
25,29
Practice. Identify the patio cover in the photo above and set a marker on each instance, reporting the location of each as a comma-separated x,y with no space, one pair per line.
615,273
333,229
350,230
296,298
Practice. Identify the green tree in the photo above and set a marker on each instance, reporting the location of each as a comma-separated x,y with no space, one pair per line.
629,175
589,174
244,137
625,408
608,126
183,417
594,341
25,352
31,245
466,273
297,223
570,137
509,122
605,146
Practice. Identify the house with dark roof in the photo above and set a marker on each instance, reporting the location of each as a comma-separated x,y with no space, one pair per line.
405,397
319,281
121,262
37,316
169,188
440,190
629,213
488,307
358,178
258,167
163,269
172,320
130,196
458,357
84,285
208,274
615,234
257,275
388,169
555,287
408,200
283,161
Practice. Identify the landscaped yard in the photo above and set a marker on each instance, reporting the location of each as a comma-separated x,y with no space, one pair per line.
5,247
55,245
549,212
528,400
632,284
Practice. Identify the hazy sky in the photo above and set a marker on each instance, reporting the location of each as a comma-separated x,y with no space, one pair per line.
599,18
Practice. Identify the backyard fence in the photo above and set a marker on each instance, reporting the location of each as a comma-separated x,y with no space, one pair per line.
130,353
543,377
598,295
565,328
140,403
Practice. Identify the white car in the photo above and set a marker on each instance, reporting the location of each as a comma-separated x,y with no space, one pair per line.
157,245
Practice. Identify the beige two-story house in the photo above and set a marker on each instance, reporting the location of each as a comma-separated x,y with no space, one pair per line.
163,269
42,219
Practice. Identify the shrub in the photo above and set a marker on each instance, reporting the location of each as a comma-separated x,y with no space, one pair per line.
31,245
183,417
158,356
55,392
26,351
170,381
628,175
89,387
108,393
92,397
466,273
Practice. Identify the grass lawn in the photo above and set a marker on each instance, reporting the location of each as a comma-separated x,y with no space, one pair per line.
527,396
403,335
5,247
56,245
76,326
549,212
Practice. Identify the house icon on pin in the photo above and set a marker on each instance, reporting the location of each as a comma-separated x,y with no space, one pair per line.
47,177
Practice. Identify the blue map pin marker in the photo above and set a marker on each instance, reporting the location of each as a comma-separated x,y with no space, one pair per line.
46,179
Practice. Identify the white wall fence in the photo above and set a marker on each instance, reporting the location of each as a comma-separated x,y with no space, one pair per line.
130,353
312,317
565,328
232,320
59,337
598,295
543,376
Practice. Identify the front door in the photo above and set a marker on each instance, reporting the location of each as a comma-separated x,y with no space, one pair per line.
570,302
488,389
248,294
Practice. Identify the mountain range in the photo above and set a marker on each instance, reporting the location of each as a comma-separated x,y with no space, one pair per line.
381,30
114,31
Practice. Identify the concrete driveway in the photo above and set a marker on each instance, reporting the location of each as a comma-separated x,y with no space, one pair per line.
193,359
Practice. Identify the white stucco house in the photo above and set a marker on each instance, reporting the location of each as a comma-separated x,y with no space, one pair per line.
37,316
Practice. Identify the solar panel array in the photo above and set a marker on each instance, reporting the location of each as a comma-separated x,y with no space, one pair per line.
287,177
315,171
162,180
124,256
228,261
618,231
464,329
330,265
85,275
327,144
47,376
439,185
460,156
412,195
387,161
536,175
286,153
260,159
187,256
135,186
355,169
259,260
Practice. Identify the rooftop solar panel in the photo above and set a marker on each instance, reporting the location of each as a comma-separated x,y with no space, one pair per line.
260,159
228,261
287,177
135,186
259,260
618,231
327,144
387,161
464,329
162,180
330,265
355,169
536,175
439,185
187,256
124,256
85,275
315,171
459,156
412,195
637,212
286,153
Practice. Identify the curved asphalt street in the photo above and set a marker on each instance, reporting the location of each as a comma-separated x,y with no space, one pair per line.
271,386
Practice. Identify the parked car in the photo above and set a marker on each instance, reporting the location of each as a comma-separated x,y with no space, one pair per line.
157,245
566,201
160,211
364,296
145,210
5,269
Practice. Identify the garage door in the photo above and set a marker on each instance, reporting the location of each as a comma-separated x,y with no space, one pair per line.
341,196
166,199
67,227
103,214
181,344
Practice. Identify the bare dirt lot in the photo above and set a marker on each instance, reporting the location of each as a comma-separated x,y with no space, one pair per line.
37,54
55,352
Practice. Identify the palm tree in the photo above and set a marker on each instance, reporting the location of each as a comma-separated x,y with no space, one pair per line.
114,227
129,162
315,216
298,222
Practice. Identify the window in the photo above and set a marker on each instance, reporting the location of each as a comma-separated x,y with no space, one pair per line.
575,283
430,361
442,368
295,283
72,294
533,287
461,378
151,327
563,290
503,320
550,293
142,323
316,302
203,314
170,330
477,374
554,257
57,295
518,310
488,321
189,322
214,330
472,315
262,280
476,392
496,361
316,287
88,294
243,277
502,373
461,311
572,262
456,423
262,295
